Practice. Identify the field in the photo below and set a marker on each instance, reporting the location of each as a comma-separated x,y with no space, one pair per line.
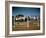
19,26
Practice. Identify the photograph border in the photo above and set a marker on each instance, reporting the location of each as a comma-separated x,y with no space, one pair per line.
26,31
7,4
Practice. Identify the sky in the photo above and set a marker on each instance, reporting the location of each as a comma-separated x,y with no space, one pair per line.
26,11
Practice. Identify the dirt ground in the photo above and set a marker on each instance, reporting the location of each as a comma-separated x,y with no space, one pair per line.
19,26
